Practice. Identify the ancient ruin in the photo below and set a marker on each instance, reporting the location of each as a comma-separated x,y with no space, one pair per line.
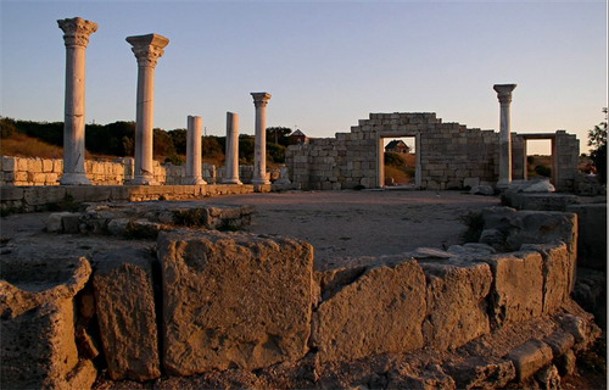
147,275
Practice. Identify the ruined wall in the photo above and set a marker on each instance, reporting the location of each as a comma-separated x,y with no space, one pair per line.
449,155
434,300
22,171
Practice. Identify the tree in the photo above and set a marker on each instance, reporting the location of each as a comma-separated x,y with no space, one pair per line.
597,138
278,135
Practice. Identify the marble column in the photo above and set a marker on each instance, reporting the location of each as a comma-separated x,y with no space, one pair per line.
147,49
76,38
504,94
193,150
231,161
261,99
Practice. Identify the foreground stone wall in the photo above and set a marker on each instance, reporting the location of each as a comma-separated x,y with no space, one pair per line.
449,155
237,301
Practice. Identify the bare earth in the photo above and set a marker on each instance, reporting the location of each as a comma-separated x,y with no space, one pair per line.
362,223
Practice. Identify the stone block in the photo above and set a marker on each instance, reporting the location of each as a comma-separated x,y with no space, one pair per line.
9,163
558,274
44,195
11,193
380,311
234,300
456,306
530,358
38,348
592,238
517,292
47,165
21,164
124,298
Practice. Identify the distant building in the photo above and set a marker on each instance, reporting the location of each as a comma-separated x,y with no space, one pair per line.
397,146
298,137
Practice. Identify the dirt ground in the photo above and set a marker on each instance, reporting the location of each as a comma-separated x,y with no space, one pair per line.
362,223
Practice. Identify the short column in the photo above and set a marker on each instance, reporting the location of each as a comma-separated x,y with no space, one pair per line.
261,100
76,38
147,49
504,94
193,150
231,162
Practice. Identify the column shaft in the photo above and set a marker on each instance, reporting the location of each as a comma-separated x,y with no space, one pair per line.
231,163
76,38
193,150
147,49
261,100
504,94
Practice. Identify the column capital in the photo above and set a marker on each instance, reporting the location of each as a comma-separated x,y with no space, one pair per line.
76,31
148,48
261,99
504,92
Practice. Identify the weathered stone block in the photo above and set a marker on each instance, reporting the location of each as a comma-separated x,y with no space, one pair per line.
558,274
517,291
233,299
124,299
456,306
592,238
481,373
530,358
381,311
38,348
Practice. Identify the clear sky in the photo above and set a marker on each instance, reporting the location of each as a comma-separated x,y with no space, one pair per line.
326,63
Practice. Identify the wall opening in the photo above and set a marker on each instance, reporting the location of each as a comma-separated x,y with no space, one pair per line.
540,159
399,163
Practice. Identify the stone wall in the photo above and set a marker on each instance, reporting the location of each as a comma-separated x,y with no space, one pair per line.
449,155
21,171
235,301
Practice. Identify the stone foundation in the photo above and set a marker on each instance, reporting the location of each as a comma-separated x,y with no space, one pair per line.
229,303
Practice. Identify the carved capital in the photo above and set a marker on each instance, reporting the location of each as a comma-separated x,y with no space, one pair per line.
148,48
504,92
261,99
76,31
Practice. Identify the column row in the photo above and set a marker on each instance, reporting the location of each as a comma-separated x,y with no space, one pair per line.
147,49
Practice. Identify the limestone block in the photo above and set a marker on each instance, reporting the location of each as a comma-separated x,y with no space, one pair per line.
124,299
21,176
517,293
530,358
9,163
21,164
456,307
34,165
558,274
233,299
380,311
47,165
592,238
44,195
531,227
38,348
11,193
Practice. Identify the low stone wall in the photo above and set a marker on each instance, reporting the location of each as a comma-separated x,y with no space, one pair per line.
237,301
42,198
22,171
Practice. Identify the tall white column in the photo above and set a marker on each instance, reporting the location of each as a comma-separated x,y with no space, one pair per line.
261,100
231,162
147,49
193,150
504,94
76,38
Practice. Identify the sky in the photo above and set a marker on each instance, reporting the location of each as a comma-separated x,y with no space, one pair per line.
327,64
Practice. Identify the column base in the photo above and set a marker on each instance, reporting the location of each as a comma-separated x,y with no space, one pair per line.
503,184
74,179
195,181
141,180
231,181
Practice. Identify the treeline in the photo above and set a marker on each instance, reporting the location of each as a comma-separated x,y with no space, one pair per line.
118,139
